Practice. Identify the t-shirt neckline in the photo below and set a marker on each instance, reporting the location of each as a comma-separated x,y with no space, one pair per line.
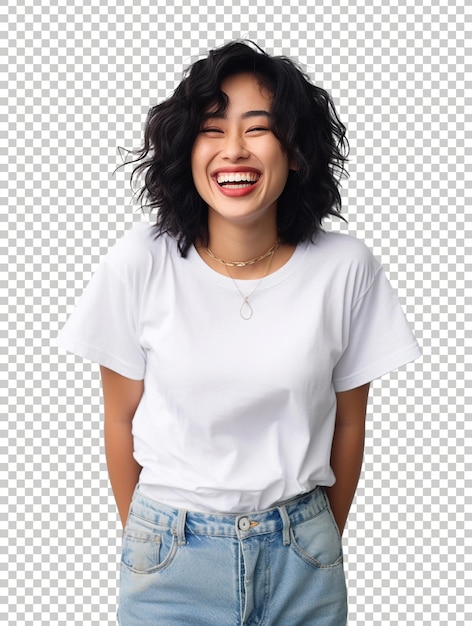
275,278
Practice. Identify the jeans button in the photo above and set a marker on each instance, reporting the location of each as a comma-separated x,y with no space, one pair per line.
244,524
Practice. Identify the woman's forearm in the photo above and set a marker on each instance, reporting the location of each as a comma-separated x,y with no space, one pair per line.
123,470
346,461
121,398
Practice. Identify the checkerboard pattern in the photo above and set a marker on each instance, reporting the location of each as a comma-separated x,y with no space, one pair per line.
78,80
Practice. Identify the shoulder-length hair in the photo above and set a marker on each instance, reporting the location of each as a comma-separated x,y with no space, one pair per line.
304,120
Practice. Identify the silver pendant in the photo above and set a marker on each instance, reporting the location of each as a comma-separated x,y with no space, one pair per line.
246,310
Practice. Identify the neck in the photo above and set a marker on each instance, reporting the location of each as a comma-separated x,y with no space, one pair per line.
237,245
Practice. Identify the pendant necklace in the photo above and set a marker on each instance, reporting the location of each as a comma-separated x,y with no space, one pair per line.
246,310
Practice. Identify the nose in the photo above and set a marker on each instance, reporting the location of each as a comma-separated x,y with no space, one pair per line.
234,147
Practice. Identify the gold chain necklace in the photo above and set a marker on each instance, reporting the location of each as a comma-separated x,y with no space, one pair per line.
270,251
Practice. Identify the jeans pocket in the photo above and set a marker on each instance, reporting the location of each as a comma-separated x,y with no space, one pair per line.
146,548
317,541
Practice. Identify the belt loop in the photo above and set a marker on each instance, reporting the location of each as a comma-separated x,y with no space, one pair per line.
286,522
179,529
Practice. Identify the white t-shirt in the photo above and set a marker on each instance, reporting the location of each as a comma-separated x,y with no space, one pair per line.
238,415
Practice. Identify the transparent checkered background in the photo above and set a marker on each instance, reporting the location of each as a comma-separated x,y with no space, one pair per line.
78,80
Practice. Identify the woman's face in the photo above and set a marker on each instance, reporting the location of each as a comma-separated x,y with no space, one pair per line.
238,166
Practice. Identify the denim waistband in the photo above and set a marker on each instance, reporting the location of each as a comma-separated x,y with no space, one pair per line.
240,525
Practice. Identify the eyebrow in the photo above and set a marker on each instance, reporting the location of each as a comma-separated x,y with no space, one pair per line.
256,114
215,115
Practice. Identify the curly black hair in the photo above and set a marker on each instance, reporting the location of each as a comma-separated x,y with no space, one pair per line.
304,120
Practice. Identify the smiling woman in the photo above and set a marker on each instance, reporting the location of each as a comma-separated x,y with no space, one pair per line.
237,341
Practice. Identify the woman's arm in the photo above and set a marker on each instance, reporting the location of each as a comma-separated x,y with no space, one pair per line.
121,397
347,450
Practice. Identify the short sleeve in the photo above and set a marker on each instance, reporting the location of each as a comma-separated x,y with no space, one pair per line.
379,338
103,327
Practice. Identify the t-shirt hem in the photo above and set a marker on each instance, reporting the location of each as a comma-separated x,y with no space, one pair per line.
81,349
378,369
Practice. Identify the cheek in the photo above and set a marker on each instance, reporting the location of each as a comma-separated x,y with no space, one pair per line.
275,155
279,179
199,172
196,165
199,159
280,168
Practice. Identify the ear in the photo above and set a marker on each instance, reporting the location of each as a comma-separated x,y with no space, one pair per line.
293,165
293,162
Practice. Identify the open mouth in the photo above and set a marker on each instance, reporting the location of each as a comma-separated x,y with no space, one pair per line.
237,180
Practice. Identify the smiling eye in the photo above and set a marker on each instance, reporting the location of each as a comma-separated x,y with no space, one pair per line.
210,130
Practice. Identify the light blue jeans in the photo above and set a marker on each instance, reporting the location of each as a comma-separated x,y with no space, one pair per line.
280,567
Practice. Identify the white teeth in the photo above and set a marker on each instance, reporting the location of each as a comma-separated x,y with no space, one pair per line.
236,177
242,186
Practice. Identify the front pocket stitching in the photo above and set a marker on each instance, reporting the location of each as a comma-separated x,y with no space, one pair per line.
308,558
165,563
